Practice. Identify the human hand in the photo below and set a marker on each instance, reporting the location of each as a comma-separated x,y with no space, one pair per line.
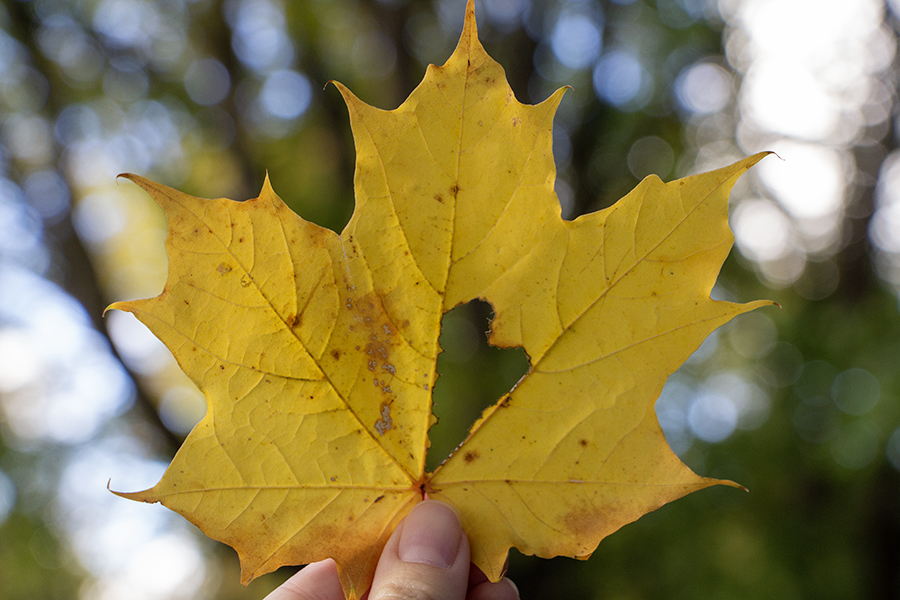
426,558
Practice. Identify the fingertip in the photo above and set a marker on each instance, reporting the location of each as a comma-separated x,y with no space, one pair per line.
504,589
316,581
427,556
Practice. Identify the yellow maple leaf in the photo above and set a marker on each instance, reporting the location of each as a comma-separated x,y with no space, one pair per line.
317,352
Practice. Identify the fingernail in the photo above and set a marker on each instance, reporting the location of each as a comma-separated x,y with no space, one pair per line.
430,535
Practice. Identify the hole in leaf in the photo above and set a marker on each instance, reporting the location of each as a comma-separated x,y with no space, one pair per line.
472,376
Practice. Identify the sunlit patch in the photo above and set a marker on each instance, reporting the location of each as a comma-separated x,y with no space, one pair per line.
809,183
620,79
812,86
286,94
576,40
884,226
48,193
762,231
710,410
703,88
27,137
260,38
20,359
134,551
141,350
207,81
181,407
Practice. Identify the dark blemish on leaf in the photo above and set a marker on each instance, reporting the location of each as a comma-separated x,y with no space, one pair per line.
378,499
336,354
390,369
334,478
292,321
439,198
223,268
240,240
583,443
187,303
222,367
470,456
372,365
454,190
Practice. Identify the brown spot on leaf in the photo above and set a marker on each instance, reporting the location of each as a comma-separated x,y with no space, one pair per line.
454,190
439,198
470,456
223,268
336,354
583,443
590,524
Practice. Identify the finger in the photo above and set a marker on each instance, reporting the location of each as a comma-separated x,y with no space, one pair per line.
426,558
317,581
504,589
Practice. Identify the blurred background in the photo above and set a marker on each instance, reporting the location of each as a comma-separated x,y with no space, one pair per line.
801,404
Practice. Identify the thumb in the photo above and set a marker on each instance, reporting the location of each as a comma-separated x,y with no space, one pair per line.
426,558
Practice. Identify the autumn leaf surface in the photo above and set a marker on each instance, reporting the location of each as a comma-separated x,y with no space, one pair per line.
317,351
